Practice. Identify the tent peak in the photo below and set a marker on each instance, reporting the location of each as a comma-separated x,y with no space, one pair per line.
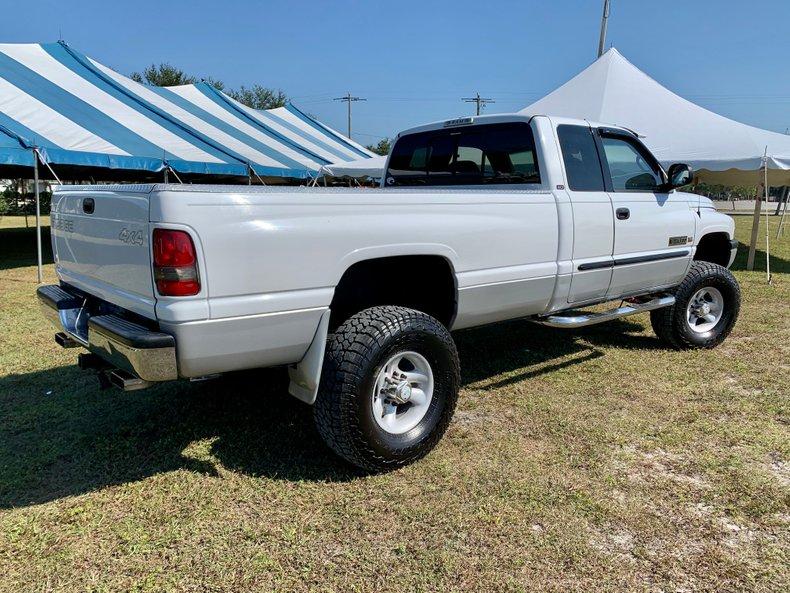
612,56
614,90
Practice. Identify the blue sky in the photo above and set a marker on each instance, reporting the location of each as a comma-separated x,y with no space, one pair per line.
414,60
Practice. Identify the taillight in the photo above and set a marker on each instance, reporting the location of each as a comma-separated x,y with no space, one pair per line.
175,263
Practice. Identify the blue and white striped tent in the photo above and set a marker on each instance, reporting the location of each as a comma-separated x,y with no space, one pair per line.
80,113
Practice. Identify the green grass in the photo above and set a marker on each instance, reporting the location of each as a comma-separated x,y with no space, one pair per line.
10,222
590,460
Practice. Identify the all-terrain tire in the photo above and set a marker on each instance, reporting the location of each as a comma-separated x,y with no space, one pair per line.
343,410
671,324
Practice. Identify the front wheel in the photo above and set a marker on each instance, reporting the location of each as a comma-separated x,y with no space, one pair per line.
388,387
706,307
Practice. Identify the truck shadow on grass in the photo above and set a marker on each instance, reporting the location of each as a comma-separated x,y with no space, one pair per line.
779,265
19,247
61,436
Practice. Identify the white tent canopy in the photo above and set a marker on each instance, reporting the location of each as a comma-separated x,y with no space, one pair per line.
614,91
372,167
721,150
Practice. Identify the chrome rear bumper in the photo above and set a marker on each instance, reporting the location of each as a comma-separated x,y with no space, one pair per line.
148,354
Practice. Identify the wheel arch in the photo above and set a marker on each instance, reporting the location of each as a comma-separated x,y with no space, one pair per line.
714,247
385,278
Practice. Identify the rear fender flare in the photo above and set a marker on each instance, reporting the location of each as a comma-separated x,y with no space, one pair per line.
381,251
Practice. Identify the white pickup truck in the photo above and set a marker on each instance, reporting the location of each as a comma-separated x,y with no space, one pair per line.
478,220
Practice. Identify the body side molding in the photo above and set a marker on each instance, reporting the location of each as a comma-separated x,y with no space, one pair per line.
641,259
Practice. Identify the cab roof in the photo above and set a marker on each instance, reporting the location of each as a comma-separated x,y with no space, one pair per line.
461,122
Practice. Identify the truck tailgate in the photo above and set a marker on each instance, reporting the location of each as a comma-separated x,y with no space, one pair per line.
101,244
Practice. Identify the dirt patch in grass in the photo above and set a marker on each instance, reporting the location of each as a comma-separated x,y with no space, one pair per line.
779,469
662,465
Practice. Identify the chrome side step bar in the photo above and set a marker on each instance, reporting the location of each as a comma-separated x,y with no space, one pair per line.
582,319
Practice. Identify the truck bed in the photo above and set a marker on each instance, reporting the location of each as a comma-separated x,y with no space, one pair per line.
270,257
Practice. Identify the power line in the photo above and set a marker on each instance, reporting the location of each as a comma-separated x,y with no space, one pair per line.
327,95
349,99
480,101
373,135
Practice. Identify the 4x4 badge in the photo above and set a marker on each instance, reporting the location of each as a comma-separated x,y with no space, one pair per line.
131,237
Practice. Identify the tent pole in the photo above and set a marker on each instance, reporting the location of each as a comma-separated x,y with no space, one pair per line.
780,201
755,229
767,234
51,170
38,217
173,171
258,176
604,19
784,211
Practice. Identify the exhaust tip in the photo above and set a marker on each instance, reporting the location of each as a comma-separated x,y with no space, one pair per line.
126,381
65,341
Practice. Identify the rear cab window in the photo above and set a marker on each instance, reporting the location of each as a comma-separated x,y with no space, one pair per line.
486,154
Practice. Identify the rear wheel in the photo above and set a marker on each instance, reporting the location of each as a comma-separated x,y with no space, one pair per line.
388,387
706,307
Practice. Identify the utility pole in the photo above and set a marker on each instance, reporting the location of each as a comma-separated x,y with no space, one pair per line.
480,101
348,99
604,21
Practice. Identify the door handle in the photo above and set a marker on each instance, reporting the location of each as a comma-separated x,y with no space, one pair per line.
623,213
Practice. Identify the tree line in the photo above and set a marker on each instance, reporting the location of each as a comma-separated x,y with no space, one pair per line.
255,96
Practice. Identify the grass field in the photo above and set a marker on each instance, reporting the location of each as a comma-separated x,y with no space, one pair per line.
589,460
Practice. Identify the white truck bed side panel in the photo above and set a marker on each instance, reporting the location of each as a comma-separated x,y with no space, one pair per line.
283,249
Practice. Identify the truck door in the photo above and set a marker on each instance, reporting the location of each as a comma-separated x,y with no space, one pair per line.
653,229
593,227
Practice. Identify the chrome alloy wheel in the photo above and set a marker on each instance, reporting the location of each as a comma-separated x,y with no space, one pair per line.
402,393
704,310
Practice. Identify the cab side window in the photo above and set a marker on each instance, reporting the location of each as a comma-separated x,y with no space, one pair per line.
478,155
582,165
409,162
630,166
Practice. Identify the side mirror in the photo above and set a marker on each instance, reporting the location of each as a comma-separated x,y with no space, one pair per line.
679,175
